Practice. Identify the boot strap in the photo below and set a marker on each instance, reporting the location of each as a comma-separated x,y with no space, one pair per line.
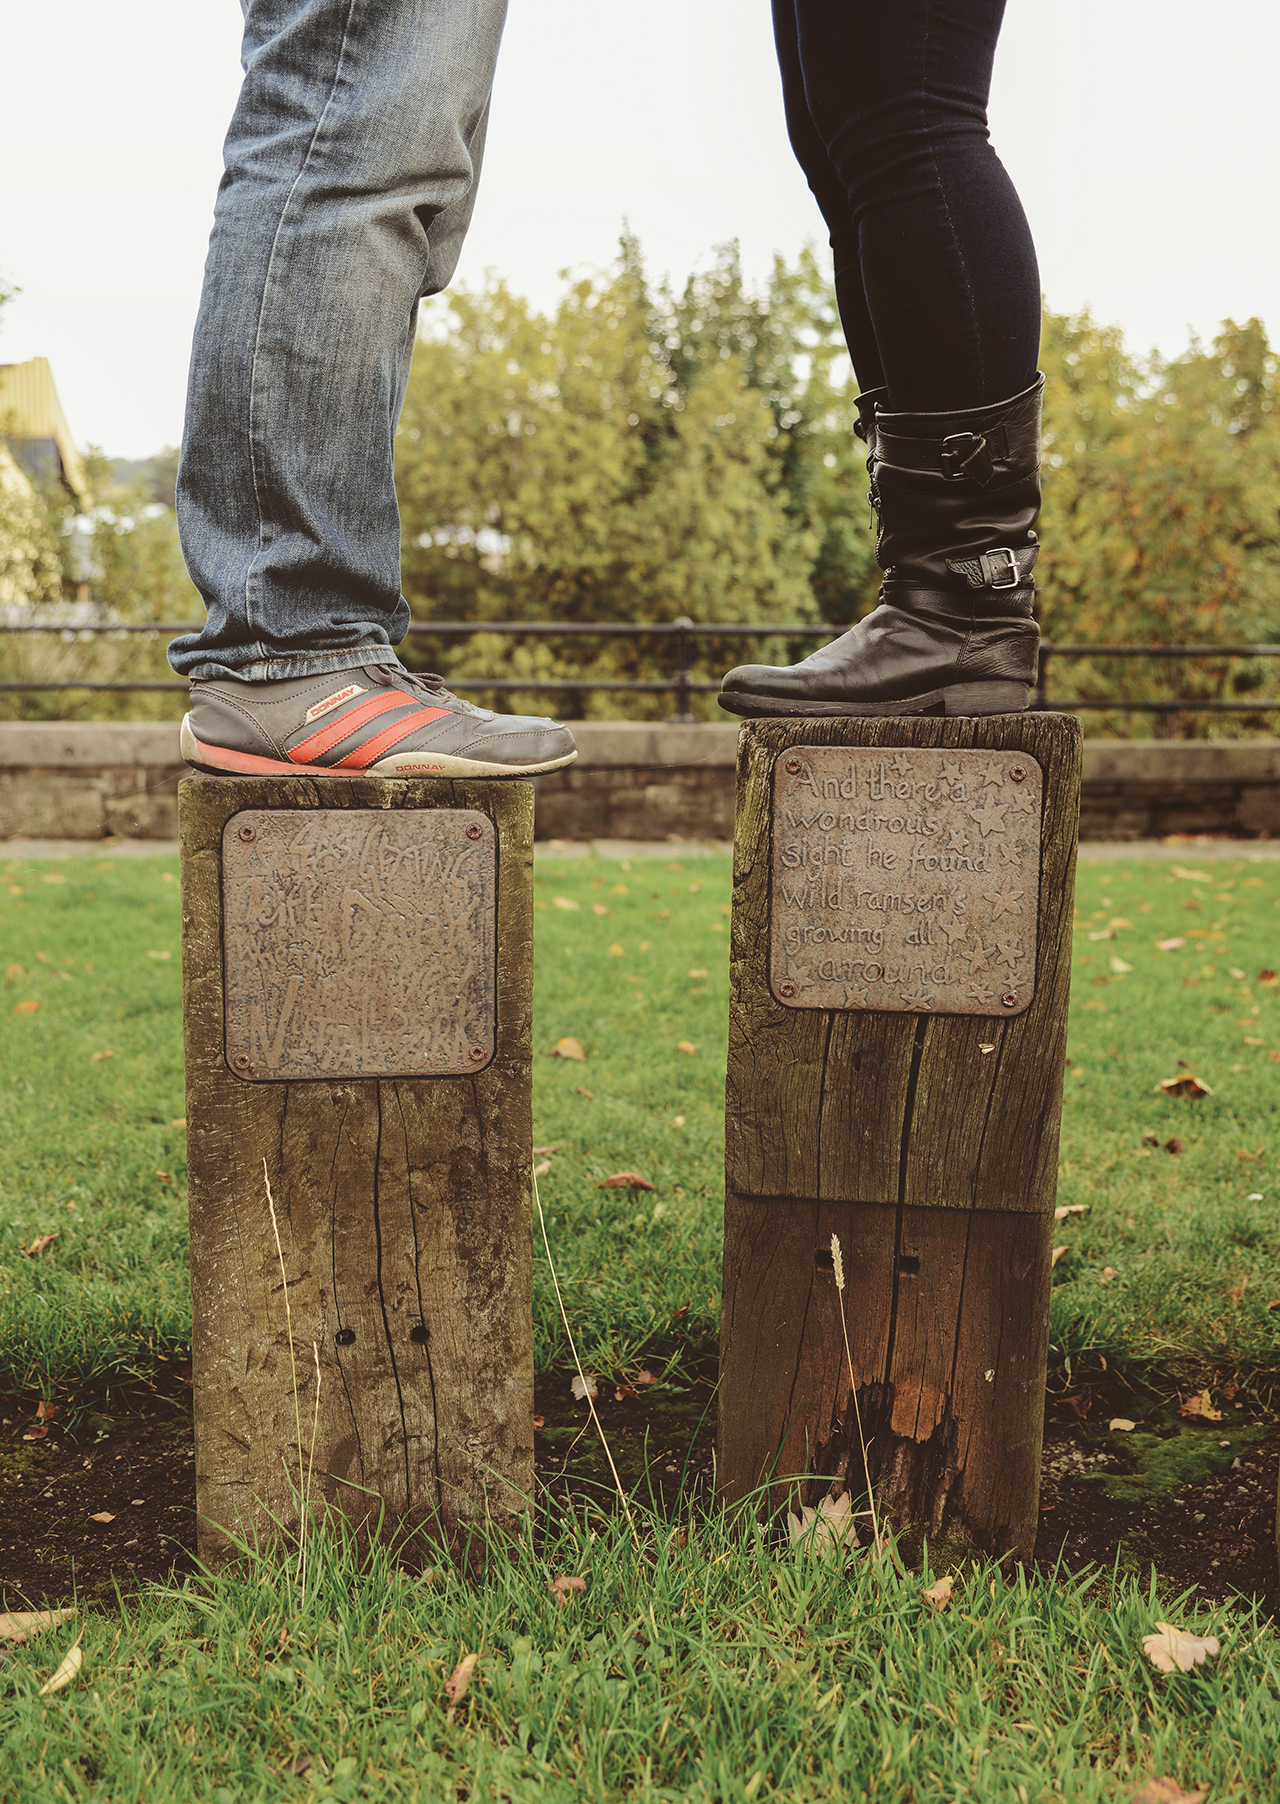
1004,568
1014,604
1008,449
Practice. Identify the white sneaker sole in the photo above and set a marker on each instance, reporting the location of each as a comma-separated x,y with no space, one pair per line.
221,761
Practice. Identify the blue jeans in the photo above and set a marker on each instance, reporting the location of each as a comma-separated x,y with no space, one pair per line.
935,268
351,169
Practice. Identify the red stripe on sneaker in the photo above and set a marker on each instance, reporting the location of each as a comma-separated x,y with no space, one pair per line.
373,749
308,749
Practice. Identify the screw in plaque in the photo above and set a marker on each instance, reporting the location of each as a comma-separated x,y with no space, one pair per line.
242,1062
247,835
792,767
787,989
1018,773
478,1053
474,830
1010,999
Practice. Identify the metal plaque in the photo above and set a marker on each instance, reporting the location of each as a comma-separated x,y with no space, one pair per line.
359,943
905,881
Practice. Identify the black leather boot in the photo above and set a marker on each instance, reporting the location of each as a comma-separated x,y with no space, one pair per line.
957,495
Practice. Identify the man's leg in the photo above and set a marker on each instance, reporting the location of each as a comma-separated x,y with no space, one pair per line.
351,169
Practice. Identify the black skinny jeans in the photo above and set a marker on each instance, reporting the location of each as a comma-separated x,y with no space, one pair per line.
936,275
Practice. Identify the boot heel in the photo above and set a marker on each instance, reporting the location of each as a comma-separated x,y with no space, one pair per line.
986,698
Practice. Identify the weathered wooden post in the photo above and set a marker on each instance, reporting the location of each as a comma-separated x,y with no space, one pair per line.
357,971
900,968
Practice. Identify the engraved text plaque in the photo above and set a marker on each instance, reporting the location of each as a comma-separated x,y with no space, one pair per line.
359,943
905,881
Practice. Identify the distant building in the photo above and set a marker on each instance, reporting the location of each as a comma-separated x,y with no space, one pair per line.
32,420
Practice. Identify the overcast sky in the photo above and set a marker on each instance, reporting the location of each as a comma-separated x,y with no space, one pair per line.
1141,134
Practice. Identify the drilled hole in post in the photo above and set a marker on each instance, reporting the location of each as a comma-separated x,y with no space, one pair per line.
823,1260
909,1265
418,1335
345,1337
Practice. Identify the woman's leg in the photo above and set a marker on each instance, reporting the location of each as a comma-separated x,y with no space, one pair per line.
936,271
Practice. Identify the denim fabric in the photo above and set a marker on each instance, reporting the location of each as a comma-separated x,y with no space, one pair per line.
351,169
936,271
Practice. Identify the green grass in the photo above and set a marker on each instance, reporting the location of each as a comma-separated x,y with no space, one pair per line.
1151,1282
711,1665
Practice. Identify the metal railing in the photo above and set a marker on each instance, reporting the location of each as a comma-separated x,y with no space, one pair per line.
680,635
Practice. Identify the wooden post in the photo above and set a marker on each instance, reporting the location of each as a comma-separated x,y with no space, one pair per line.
897,1036
357,995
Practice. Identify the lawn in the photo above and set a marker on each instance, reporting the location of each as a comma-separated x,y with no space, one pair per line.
704,1663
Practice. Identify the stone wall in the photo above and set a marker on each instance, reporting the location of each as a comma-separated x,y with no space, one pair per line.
633,780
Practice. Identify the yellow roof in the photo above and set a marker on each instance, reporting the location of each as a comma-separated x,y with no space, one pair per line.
28,396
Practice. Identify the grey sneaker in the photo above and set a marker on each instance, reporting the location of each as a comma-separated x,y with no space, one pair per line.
377,721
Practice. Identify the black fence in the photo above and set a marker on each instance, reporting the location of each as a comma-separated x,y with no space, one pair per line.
680,637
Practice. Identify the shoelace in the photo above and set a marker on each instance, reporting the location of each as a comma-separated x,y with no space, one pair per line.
431,687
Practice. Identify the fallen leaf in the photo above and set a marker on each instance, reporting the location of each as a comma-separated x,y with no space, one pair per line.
159,955
824,1528
622,1392
163,1176
1121,1425
1178,870
1064,1209
14,971
564,902
1250,1040
626,1180
1190,1085
99,1056
584,1387
45,1412
598,908
579,1091
299,1765
541,1170
1057,1254
545,1151
21,1623
1118,967
1173,1145
939,1595
41,1244
1236,972
1107,1273
677,1121
73,1659
178,1120
1169,945
617,951
102,1516
1174,1650
1078,1405
1268,977
562,1587
1236,1293
698,971
53,877
25,1008
985,1049
1151,1139
1167,1791
539,1421
645,1377
1198,1407
685,1046
568,1048
455,1686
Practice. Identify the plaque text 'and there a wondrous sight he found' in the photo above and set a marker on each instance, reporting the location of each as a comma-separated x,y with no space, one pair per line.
905,881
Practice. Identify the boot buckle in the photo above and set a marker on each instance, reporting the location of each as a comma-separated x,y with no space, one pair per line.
966,454
1012,575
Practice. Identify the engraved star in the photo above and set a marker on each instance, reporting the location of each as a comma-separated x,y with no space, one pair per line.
951,772
977,993
1010,850
902,764
979,960
1010,951
797,973
921,1002
855,998
954,930
958,839
993,775
990,817
1006,901
1024,800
